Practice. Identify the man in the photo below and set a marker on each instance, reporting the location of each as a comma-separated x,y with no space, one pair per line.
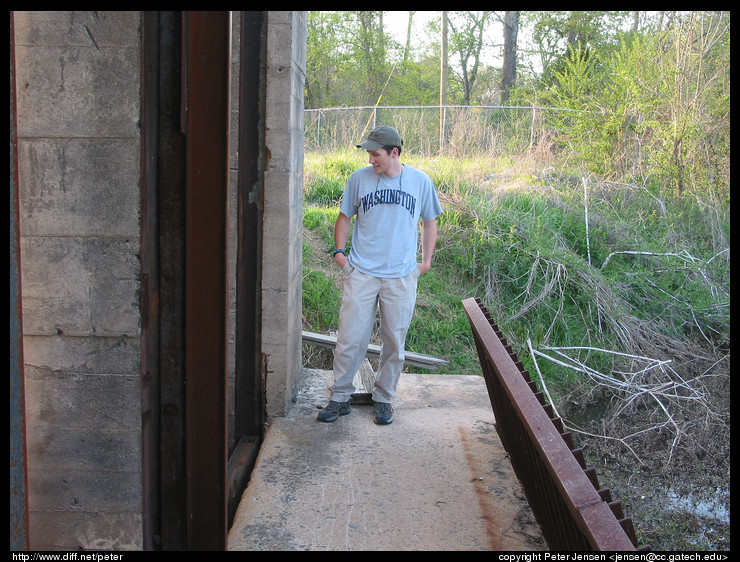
387,199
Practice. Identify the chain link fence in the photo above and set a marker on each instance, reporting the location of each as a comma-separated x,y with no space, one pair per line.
468,131
606,144
429,130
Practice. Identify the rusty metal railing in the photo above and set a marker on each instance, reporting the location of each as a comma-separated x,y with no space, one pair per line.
564,494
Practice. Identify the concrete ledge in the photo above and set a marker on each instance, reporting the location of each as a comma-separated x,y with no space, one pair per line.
438,478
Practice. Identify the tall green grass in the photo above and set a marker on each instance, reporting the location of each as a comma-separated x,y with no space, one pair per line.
555,263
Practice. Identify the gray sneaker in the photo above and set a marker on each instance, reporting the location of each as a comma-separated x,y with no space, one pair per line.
333,410
383,413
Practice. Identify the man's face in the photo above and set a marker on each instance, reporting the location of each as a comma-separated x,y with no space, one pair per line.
381,161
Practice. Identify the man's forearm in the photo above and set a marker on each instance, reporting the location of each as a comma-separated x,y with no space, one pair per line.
428,243
341,236
341,231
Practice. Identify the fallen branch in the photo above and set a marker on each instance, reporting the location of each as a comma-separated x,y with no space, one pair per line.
542,379
544,293
607,437
687,257
667,389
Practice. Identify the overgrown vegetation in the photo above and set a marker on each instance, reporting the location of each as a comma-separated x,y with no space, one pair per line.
616,295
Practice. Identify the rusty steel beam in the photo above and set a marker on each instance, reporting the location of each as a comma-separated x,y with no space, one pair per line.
206,120
249,410
564,494
162,283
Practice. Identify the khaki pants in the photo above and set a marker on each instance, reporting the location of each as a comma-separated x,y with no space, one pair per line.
363,295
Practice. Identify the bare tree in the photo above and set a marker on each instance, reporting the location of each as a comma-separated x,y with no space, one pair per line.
443,84
508,72
467,40
407,47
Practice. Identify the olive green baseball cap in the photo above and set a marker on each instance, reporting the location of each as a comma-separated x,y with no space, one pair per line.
381,136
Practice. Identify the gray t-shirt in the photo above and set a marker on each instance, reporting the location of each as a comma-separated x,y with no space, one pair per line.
385,238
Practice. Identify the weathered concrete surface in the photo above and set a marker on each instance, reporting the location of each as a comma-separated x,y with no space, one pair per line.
79,170
438,478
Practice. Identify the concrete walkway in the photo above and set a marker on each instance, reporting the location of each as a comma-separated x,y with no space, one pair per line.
436,479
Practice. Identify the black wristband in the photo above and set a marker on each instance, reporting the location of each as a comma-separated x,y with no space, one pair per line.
338,251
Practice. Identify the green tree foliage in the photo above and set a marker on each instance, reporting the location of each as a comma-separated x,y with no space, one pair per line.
353,61
667,91
679,81
642,97
592,121
557,34
339,46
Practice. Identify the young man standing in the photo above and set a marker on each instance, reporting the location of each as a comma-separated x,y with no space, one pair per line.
387,199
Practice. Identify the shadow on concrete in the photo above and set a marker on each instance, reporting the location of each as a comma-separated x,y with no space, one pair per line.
436,479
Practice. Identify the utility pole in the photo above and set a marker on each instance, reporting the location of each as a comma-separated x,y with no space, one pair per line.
443,85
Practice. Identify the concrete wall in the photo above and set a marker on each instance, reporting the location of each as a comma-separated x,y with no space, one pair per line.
283,208
78,167
78,90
